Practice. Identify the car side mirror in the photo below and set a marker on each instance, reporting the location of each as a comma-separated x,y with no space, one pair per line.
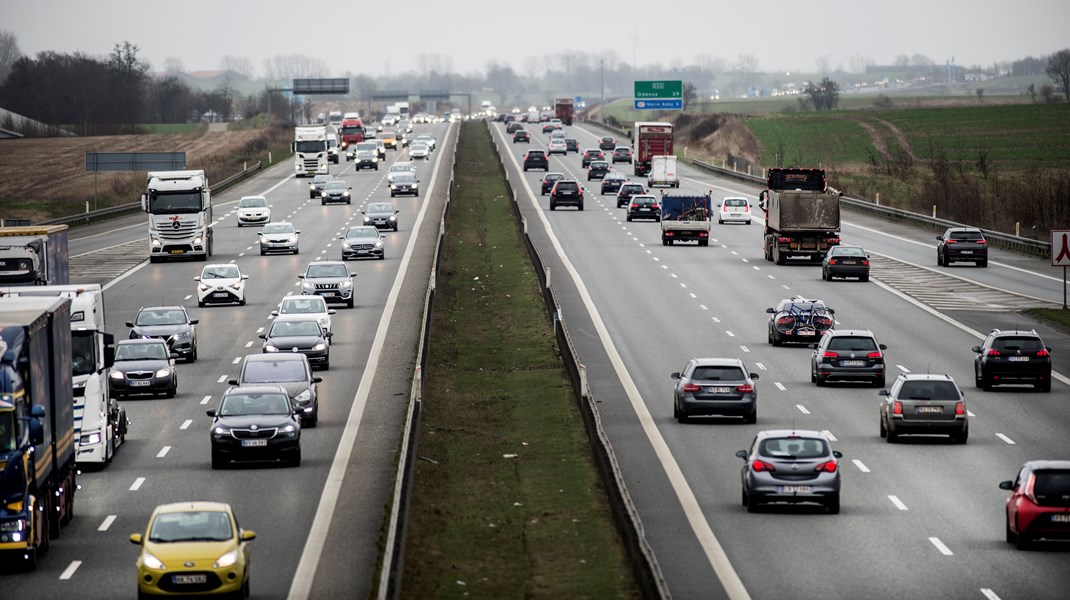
742,454
331,311
882,346
129,323
135,539
1006,485
976,349
754,376
771,311
837,454
298,231
352,275
302,276
174,355
262,336
329,335
197,278
675,375
317,379
210,413
812,346
244,277
1048,348
883,393
248,536
274,313
939,238
259,233
232,381
194,321
718,205
832,311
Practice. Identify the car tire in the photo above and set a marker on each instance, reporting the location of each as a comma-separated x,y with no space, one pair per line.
262,253
681,416
864,278
241,302
891,437
752,417
217,460
193,355
581,205
395,227
172,391
720,222
982,263
883,431
961,437
986,383
752,506
880,382
833,505
200,304
553,206
819,380
315,416
293,462
743,499
629,218
1043,386
1010,536
824,275
1022,542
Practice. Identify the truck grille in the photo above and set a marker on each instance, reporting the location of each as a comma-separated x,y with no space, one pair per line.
249,434
312,164
184,230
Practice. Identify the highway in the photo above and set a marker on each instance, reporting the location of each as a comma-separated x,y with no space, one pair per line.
317,525
923,518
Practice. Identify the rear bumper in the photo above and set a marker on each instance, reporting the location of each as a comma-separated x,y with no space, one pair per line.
734,408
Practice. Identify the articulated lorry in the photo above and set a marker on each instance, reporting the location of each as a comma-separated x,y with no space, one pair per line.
310,150
685,219
802,215
38,475
34,255
179,204
100,423
650,139
564,110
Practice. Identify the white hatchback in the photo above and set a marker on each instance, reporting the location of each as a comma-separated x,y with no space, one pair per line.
734,210
221,284
305,307
253,210
418,150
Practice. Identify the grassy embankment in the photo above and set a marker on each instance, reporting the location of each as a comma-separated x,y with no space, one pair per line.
506,500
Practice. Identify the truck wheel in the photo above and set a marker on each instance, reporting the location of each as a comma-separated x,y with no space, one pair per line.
581,205
777,257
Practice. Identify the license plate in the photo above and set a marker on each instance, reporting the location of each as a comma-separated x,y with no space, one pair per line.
793,489
718,390
644,210
220,295
1018,358
807,332
965,251
923,410
140,383
189,579
852,363
178,252
362,251
735,214
253,443
1060,518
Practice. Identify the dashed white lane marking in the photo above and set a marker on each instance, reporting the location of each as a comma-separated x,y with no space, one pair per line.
248,344
861,466
744,348
188,297
988,593
236,360
897,502
206,400
802,409
1005,438
902,368
970,413
163,452
71,568
137,484
829,435
770,277
935,541
780,386
703,307
222,379
730,334
187,423
761,366
108,520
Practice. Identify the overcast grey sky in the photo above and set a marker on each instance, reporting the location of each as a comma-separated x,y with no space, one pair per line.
386,37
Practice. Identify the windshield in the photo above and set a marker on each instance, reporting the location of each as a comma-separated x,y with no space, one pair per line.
8,435
928,390
176,203
274,371
255,404
793,448
191,526
225,272
278,228
401,168
380,208
294,329
369,146
252,203
141,352
84,357
337,185
352,130
311,146
326,271
161,317
310,305
362,232
404,178
852,344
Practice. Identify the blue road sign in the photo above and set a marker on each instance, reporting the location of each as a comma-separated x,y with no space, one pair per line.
663,104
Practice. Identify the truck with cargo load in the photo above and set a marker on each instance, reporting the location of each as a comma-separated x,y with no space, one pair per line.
650,139
685,219
179,204
100,423
802,214
352,130
38,477
564,110
310,150
34,255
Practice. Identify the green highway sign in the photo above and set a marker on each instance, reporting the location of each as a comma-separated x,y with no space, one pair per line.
658,90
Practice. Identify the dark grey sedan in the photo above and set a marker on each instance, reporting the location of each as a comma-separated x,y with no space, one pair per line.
845,261
143,366
381,215
295,334
791,466
848,355
715,386
336,191
923,403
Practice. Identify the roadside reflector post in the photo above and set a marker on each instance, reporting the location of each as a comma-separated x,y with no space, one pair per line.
524,222
547,271
584,391
934,211
1017,229
878,199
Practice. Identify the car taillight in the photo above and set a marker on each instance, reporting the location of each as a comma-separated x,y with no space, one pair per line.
829,354
746,208
1043,352
982,242
951,242
761,465
1029,487
897,408
655,207
785,321
828,467
865,262
690,387
960,408
993,352
823,322
832,261
746,388
634,205
873,355
784,240
832,240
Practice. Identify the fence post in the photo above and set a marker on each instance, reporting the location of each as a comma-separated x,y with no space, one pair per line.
934,211
878,198
584,392
524,223
269,157
547,271
1017,229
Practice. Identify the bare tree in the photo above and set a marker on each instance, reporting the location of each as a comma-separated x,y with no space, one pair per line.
1059,71
9,53
690,94
237,64
280,68
821,64
858,64
920,60
980,92
823,95
1032,91
1047,93
173,65
902,60
746,69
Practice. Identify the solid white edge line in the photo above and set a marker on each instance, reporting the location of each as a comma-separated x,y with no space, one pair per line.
935,541
71,568
106,523
304,576
715,553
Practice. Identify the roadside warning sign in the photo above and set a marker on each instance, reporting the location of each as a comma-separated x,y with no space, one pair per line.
1060,248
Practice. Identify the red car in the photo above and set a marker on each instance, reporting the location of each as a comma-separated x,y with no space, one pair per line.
1039,505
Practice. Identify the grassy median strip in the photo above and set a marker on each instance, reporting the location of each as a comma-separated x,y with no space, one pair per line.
506,501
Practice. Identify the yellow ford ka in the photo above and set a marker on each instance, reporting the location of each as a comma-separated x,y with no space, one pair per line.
193,548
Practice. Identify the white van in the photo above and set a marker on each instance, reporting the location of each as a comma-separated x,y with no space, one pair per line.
663,172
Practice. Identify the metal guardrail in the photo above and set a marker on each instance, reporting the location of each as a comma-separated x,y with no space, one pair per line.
133,207
866,206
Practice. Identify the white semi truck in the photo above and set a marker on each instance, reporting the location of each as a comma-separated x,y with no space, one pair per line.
179,204
100,423
310,150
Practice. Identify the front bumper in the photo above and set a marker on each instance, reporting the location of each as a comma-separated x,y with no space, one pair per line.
219,296
278,448
129,387
348,253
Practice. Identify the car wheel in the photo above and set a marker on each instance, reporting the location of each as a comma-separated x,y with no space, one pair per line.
200,304
629,218
241,302
395,227
1011,537
349,303
752,506
864,278
391,194
1022,542
262,253
880,382
982,263
986,383
294,462
720,222
172,391
883,430
553,206
681,417
193,355
962,436
891,437
217,460
819,380
833,505
743,499
315,416
581,205
752,417
1043,386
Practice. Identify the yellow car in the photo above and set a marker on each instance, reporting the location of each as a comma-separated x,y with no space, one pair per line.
390,139
193,548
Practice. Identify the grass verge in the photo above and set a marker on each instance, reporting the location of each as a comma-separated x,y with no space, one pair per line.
1056,316
506,502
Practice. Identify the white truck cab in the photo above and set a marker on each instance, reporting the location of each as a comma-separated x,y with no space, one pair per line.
663,172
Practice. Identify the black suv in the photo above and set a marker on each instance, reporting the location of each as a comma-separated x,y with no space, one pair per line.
590,155
597,170
1012,356
572,145
607,143
848,355
169,323
622,154
549,180
536,159
962,244
566,192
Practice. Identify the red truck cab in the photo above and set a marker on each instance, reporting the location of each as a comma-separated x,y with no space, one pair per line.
352,132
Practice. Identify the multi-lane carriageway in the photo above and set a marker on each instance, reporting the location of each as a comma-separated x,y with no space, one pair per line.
922,518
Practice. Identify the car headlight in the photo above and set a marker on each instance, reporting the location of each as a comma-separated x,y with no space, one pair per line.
394,218
289,429
346,284
116,375
292,239
221,430
151,561
236,285
393,186
320,346
324,321
156,242
366,220
345,245
307,286
346,193
197,241
311,186
204,287
379,244
164,372
226,560
304,396
270,348
89,439
181,335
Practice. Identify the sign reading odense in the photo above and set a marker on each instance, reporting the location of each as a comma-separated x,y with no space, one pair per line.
650,90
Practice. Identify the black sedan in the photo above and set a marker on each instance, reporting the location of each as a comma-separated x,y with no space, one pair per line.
590,155
548,181
845,261
521,136
255,423
299,335
607,143
143,366
644,206
962,244
612,182
622,154
798,319
597,170
572,144
169,323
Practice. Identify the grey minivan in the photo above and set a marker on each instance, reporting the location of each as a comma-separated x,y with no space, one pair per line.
291,371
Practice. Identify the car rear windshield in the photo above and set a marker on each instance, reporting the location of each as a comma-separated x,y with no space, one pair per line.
966,235
848,251
712,373
567,186
852,344
928,390
793,447
1052,487
735,202
273,371
1012,344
